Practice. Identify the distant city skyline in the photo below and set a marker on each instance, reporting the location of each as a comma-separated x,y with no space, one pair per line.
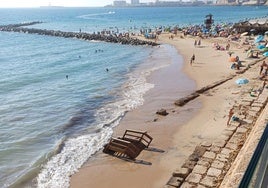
66,3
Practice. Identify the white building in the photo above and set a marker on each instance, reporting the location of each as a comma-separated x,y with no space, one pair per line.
135,2
120,3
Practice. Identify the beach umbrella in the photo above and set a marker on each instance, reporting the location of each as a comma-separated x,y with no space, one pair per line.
241,81
252,30
259,38
260,46
265,54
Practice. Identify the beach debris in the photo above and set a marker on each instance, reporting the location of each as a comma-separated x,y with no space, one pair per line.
162,112
186,99
265,54
259,38
130,145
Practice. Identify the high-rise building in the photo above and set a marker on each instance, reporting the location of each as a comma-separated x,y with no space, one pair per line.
135,2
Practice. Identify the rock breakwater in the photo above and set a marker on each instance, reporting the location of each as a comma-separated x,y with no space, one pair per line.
121,39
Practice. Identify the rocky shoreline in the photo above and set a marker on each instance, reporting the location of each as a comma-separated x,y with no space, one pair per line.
20,28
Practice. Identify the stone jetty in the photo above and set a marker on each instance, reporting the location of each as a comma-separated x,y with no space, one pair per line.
121,39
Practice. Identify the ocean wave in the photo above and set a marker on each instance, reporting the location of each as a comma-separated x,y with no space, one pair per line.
76,151
56,173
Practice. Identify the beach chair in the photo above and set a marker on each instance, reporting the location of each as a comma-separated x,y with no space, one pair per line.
128,146
139,138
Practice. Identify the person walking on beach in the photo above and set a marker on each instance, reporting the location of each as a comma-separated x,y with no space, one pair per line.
231,113
192,59
263,65
199,42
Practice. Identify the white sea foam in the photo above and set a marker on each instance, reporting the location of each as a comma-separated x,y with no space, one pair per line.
76,151
56,172
132,95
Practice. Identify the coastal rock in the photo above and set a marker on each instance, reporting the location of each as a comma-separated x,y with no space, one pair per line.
194,178
174,181
206,144
182,172
199,151
217,164
199,169
209,181
214,172
210,155
189,164
162,112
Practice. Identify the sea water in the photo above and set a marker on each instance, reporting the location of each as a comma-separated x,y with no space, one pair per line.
61,98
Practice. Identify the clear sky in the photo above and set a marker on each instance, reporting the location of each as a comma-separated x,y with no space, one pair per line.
67,3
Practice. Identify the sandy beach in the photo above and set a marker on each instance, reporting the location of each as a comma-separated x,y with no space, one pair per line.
176,135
